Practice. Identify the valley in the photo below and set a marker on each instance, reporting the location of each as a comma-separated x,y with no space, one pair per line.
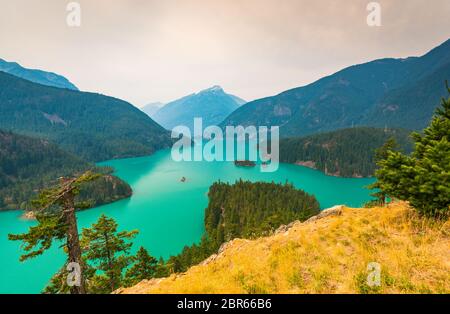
186,209
168,213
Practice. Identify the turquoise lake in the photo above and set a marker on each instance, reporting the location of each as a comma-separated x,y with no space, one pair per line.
167,212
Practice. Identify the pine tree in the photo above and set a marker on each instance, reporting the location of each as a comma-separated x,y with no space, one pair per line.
422,178
55,214
145,267
161,269
381,154
108,251
244,210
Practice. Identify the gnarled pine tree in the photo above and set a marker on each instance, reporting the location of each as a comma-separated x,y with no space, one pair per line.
55,213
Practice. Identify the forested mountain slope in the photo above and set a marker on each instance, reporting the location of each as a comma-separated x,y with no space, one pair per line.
29,164
92,126
397,93
410,106
346,153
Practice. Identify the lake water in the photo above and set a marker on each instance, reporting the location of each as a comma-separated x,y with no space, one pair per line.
167,212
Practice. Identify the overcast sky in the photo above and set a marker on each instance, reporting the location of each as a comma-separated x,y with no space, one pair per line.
159,50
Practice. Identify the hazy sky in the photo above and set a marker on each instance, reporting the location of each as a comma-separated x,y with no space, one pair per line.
158,50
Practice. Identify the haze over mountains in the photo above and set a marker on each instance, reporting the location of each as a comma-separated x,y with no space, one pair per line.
212,104
387,92
36,76
152,108
70,130
92,126
394,93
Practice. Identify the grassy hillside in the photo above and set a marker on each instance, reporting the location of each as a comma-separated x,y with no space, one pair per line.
327,255
346,153
92,126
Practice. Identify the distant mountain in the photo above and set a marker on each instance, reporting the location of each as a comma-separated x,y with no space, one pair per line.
211,104
151,108
91,126
36,76
29,164
238,100
344,153
388,92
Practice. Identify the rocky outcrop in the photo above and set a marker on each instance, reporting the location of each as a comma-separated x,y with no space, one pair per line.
28,215
333,211
308,164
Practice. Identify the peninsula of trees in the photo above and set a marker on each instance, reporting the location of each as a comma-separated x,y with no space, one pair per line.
344,153
28,165
245,210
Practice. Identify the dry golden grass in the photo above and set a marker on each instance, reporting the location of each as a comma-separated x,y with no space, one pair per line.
329,255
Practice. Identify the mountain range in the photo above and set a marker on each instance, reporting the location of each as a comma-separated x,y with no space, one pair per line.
394,93
152,108
397,93
36,76
212,104
92,126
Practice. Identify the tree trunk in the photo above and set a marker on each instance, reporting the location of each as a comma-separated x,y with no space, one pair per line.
73,242
110,265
